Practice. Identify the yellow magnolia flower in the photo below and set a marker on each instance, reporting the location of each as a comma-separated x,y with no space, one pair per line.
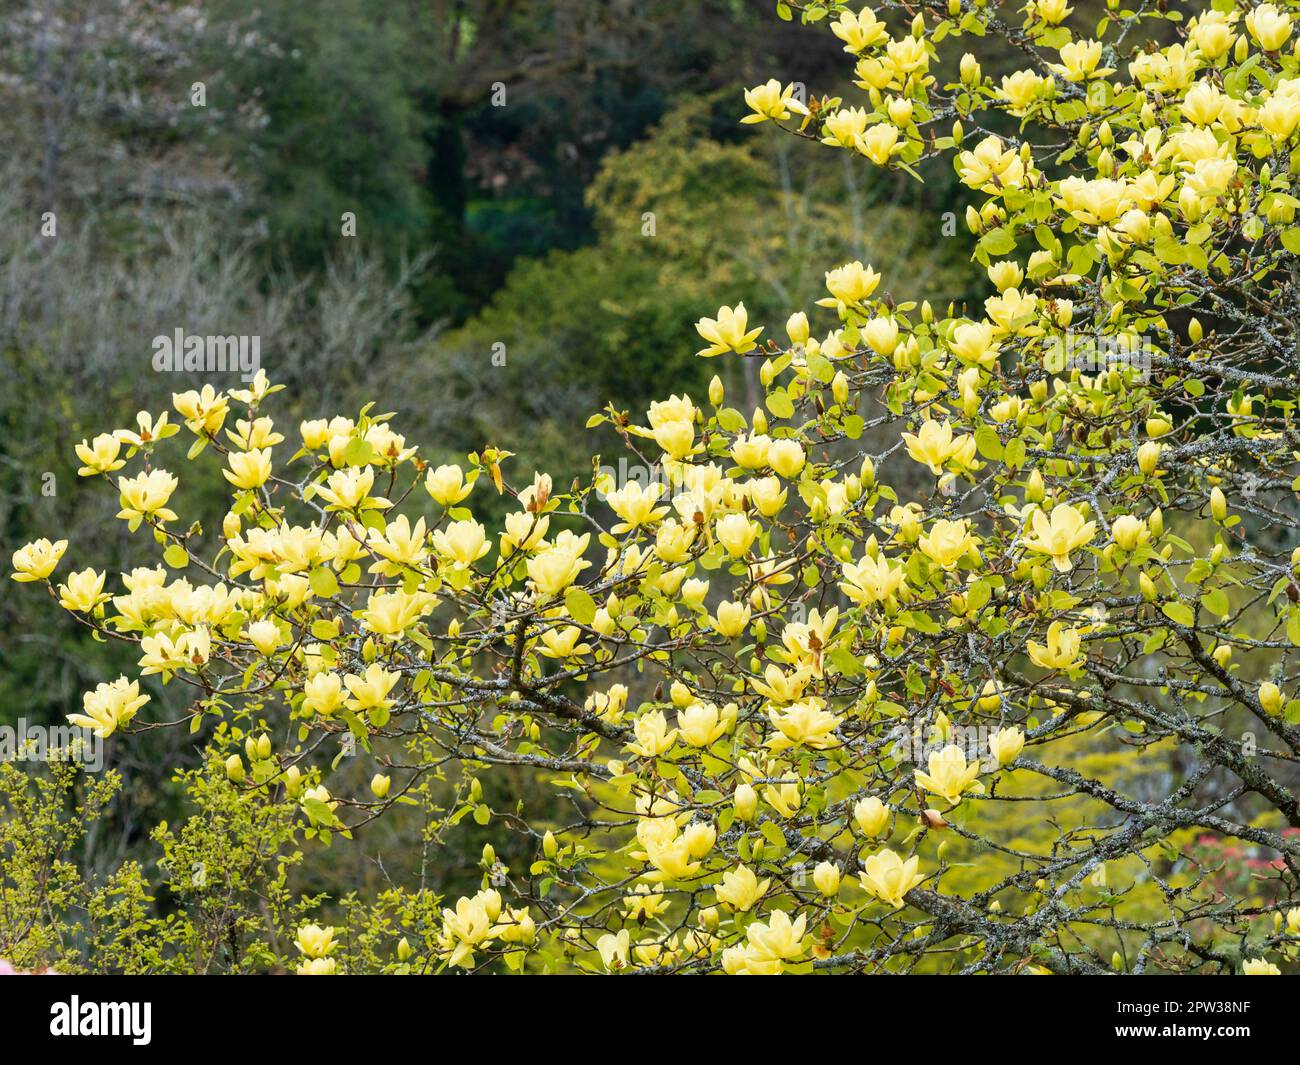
446,485
350,490
781,687
556,567
990,167
859,32
805,724
1052,12
100,455
653,736
392,613
871,815
767,495
671,857
1259,967
949,774
770,945
947,542
399,545
645,902
786,457
702,723
1061,650
731,619
851,283
165,655
564,643
770,101
1006,744
468,927
1212,33
736,533
878,142
636,505
146,495
826,877
1280,115
36,561
264,635
1095,202
204,412
1129,532
1022,90
523,531
1057,536
109,707
313,941
933,445
973,343
741,889
248,469
250,435
677,439
888,877
843,128
613,948
1269,26
1079,61
147,431
873,580
324,694
83,591
462,543
371,690
727,332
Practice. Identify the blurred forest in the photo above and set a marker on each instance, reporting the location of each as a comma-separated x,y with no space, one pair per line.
561,186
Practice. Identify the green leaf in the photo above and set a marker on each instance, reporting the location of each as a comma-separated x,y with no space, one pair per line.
1179,612
987,443
176,557
580,605
779,404
323,582
998,241
1216,600
1014,455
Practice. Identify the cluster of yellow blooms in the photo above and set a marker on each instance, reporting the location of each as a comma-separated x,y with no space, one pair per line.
791,608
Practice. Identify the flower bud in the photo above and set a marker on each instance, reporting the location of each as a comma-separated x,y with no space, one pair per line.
235,769
1148,457
871,815
840,387
1270,698
1218,504
379,784
827,878
746,802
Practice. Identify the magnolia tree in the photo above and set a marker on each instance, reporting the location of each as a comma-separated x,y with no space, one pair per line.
769,713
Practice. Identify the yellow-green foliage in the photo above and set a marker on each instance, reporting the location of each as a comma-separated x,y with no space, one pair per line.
941,639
